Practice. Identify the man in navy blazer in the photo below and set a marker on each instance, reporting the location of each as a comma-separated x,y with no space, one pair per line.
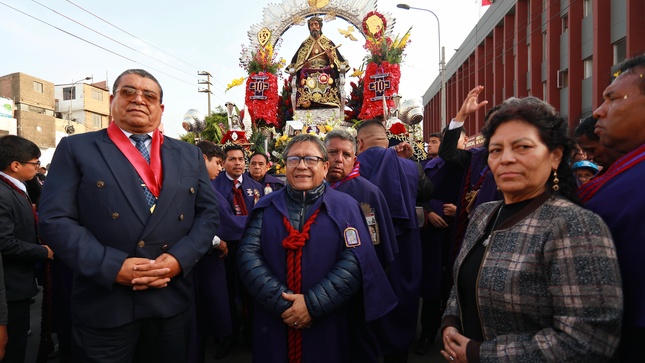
131,217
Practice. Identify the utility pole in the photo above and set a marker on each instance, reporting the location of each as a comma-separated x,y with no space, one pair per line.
207,82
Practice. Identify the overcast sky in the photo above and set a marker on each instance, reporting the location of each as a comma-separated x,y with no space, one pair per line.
174,40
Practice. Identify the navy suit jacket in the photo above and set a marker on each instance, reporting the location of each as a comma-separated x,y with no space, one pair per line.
18,244
93,214
251,189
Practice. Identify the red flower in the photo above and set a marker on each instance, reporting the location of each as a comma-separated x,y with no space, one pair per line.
397,128
264,107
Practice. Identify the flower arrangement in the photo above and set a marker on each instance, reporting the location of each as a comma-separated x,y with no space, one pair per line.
264,59
234,83
383,49
278,149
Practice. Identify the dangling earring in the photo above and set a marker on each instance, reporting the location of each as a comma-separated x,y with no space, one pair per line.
555,186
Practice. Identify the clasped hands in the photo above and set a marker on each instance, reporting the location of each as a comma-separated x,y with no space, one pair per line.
144,273
454,344
297,316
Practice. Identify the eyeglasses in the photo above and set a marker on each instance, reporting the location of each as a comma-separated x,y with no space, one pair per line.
310,161
129,92
37,163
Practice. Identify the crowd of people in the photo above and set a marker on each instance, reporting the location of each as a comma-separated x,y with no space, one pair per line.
526,249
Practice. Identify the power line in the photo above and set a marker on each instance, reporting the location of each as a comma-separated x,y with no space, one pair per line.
112,39
130,34
136,37
100,47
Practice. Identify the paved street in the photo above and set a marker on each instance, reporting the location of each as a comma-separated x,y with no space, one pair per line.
240,353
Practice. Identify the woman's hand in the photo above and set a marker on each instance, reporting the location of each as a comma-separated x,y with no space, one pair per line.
454,345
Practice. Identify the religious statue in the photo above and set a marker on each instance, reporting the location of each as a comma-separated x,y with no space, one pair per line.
316,67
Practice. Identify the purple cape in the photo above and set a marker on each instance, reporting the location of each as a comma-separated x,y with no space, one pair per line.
329,339
269,180
621,204
397,178
363,191
478,166
224,186
446,179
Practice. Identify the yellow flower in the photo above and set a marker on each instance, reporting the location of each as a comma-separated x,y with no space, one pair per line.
235,83
328,128
404,41
357,73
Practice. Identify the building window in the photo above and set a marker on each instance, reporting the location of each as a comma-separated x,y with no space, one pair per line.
586,8
563,78
588,67
38,87
565,23
528,56
544,47
96,120
97,95
69,93
620,51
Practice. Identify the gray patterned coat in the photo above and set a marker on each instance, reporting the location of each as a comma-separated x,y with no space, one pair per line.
549,288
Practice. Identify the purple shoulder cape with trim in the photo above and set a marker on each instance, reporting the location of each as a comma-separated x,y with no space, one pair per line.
398,180
329,339
620,202
363,191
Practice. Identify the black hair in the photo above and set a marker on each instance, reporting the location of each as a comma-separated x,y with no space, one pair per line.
16,148
266,158
211,150
343,135
586,128
438,135
630,65
141,73
231,147
304,138
367,124
553,131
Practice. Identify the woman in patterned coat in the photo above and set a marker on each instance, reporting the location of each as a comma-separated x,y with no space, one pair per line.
537,278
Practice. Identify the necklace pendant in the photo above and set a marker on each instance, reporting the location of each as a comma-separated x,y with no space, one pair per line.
485,243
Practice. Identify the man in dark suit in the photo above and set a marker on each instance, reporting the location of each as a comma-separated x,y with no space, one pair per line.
18,238
131,217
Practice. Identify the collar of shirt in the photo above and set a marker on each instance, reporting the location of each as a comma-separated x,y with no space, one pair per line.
231,178
134,143
16,182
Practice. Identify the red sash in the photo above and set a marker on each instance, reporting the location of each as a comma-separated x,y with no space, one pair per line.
151,174
352,174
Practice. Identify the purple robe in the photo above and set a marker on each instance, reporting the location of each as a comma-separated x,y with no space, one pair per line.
251,190
270,181
621,204
329,339
363,191
446,179
213,313
478,167
397,178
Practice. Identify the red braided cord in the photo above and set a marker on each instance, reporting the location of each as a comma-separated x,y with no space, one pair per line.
293,243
